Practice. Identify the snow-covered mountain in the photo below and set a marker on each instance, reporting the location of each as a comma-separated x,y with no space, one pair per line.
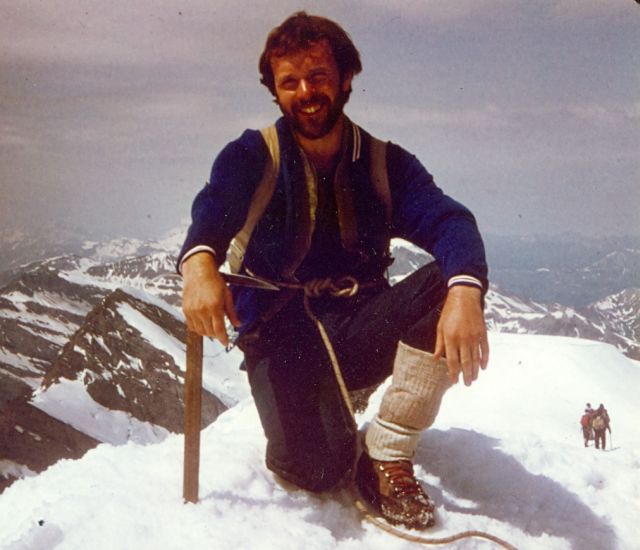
504,456
569,269
614,320
107,363
46,304
125,360
99,338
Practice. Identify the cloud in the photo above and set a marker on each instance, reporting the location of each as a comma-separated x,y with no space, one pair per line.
394,115
494,116
12,136
503,11
603,9
121,32
441,10
610,114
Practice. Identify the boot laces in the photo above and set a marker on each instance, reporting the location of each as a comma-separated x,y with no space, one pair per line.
401,479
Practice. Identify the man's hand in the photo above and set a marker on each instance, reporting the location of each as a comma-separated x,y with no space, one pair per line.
462,334
206,299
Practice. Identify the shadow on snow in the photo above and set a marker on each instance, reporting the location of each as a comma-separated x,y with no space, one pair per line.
471,467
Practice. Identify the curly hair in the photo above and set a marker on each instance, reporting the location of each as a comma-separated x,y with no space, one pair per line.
299,32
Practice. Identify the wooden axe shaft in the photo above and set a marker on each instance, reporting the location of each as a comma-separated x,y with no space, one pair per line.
192,417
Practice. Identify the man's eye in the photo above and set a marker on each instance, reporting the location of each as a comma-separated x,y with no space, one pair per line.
318,78
288,84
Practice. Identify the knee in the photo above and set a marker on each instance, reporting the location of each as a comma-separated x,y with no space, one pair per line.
316,473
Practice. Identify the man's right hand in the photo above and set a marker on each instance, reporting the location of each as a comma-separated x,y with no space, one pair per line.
206,299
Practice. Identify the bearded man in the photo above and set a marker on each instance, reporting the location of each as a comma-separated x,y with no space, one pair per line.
332,196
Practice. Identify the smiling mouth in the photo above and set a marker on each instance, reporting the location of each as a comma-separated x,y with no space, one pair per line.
311,109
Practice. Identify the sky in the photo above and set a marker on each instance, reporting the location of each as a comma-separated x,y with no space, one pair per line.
111,113
494,461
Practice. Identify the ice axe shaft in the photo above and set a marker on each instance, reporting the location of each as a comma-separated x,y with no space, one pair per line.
192,417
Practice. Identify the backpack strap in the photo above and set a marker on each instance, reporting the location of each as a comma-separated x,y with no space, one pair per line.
379,175
259,201
264,191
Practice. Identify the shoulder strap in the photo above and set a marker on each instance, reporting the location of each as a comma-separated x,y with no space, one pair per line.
266,186
379,175
259,201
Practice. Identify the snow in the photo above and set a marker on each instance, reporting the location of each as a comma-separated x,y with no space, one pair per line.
9,468
69,402
17,360
153,333
504,456
220,375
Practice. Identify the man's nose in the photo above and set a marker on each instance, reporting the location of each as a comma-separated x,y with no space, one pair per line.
305,89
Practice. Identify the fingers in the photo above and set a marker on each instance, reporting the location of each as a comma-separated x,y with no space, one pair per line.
206,299
219,329
210,322
453,369
464,355
484,349
230,309
453,365
205,311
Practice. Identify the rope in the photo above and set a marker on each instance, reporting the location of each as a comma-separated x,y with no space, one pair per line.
346,287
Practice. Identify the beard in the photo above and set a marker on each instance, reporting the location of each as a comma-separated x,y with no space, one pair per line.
319,124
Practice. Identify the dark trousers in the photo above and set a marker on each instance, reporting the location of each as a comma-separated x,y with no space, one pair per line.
587,434
311,437
601,438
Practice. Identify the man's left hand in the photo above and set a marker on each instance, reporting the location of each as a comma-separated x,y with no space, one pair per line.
462,334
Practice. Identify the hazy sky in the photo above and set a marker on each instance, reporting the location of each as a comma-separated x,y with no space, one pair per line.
527,111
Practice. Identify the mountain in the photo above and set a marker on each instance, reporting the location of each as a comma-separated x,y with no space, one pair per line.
20,249
46,303
39,310
567,269
621,310
614,320
119,378
84,348
504,456
123,358
31,440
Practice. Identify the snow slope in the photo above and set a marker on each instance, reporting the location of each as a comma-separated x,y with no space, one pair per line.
504,456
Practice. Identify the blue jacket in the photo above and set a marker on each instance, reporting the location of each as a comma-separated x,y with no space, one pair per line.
290,243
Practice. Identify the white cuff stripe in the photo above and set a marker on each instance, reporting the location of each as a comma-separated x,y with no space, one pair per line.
195,250
464,279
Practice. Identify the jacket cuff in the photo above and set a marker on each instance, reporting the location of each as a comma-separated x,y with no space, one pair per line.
192,252
465,280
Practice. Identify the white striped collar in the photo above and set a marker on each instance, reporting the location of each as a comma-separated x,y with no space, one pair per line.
357,142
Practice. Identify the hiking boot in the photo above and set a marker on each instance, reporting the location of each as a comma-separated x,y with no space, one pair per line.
391,489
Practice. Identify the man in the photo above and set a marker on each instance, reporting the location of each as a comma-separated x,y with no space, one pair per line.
329,219
601,423
585,422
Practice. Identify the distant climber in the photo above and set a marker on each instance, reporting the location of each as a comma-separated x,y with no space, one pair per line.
600,422
585,422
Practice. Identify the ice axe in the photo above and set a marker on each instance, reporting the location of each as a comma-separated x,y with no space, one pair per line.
192,417
193,396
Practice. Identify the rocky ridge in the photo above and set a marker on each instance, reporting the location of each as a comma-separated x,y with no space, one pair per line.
91,349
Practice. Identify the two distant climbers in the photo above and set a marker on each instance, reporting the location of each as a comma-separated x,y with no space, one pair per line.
595,424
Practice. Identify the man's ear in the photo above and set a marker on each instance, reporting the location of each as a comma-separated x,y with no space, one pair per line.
346,82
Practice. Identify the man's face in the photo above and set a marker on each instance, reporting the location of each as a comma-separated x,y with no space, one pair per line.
308,89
